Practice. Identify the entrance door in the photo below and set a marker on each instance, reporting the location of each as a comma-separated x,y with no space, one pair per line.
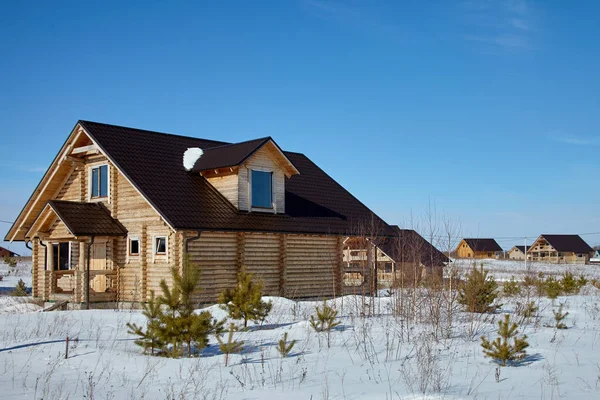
98,263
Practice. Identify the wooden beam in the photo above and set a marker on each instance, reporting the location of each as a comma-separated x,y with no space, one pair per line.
85,149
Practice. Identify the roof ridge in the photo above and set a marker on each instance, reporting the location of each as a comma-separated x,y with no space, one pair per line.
263,139
153,132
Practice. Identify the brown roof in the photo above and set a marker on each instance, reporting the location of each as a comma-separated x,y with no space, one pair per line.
407,246
566,243
152,161
228,155
8,252
482,244
87,219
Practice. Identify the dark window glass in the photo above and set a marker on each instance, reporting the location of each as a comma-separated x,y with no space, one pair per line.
103,181
161,245
60,257
95,182
100,181
134,247
261,189
55,255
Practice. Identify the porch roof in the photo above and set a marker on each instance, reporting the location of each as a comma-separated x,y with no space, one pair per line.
84,219
87,219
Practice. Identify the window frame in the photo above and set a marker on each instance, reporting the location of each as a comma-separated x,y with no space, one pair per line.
56,254
160,256
251,197
91,182
130,240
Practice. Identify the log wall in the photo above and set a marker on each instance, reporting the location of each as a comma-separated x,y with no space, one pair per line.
295,266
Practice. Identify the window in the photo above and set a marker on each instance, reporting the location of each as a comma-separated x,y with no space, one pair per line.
134,247
262,189
160,245
61,256
99,181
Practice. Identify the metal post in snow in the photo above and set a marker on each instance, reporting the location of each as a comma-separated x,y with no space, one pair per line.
67,348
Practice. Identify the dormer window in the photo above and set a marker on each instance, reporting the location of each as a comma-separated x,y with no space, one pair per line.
262,189
99,182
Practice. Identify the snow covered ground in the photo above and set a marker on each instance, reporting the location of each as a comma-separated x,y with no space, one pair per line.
378,357
503,270
11,275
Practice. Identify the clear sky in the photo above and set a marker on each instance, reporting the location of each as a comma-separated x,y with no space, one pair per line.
487,109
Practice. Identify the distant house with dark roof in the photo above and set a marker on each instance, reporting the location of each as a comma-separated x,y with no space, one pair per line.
131,204
518,252
403,254
560,249
477,248
7,253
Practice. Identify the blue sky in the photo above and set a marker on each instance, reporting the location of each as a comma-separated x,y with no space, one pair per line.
486,109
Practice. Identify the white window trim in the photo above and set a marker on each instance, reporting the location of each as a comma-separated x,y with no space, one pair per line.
160,256
108,172
129,255
273,208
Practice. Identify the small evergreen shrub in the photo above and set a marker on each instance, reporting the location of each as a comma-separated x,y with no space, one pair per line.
478,292
552,288
284,347
172,325
10,261
325,321
526,310
230,346
511,288
569,284
501,349
245,300
326,318
559,316
20,289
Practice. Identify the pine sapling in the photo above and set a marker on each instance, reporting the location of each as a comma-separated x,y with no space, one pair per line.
326,320
245,300
511,288
500,349
552,287
284,348
230,346
559,316
478,292
20,289
149,338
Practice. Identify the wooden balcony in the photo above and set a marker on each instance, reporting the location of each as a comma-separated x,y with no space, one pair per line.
70,285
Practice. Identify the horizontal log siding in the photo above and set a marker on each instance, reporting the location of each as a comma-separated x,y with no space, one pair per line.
228,186
310,265
262,258
139,275
215,253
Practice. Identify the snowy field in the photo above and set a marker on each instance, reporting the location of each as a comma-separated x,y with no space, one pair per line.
503,270
11,275
384,356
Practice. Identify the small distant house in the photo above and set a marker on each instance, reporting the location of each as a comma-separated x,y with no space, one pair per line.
477,248
560,249
518,252
402,255
596,257
7,253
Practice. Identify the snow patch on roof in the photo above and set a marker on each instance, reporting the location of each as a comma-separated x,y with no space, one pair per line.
190,157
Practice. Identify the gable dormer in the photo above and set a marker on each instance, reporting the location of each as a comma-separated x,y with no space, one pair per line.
251,175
